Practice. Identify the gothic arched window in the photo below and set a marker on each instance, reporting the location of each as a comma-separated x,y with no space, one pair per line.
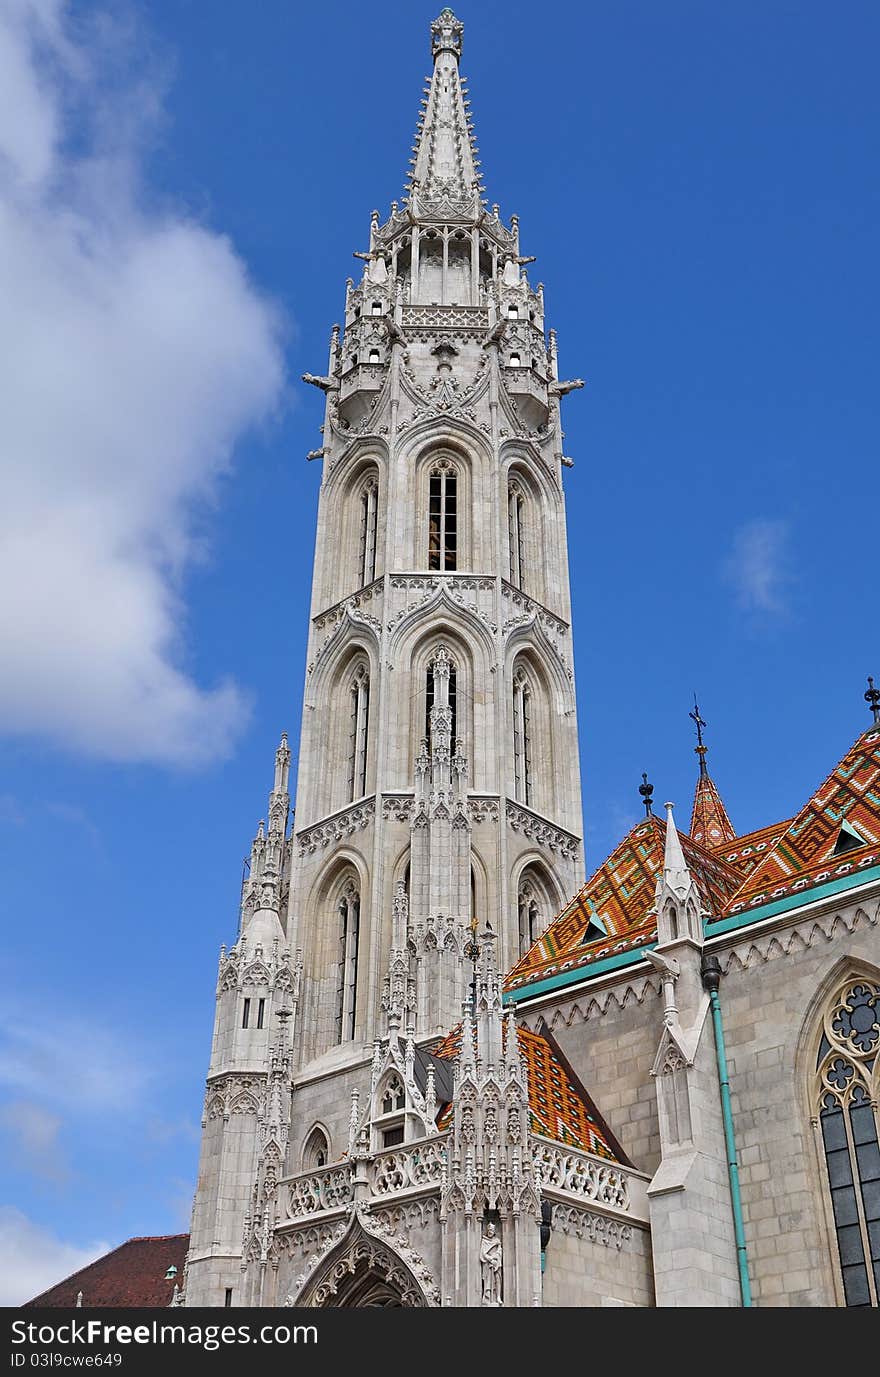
847,1085
369,524
442,516
316,1153
522,738
348,911
439,674
536,903
515,515
359,721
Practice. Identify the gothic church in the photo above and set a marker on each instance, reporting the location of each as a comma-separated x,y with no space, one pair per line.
436,1078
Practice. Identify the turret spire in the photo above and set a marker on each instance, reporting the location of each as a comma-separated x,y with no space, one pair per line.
710,825
444,162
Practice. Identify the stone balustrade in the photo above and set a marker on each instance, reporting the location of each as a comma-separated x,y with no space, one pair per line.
409,1168
575,1175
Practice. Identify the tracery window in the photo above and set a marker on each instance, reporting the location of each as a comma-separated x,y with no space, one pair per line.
442,516
359,720
847,1085
515,513
349,916
369,525
522,738
394,1097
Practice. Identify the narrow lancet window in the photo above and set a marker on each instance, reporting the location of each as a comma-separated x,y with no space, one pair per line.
442,517
369,525
359,699
515,534
346,988
522,739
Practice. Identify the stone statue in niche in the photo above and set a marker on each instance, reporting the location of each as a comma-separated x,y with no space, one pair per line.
491,1267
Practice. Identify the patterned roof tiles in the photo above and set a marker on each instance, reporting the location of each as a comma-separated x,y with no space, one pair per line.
559,1107
836,832
612,912
710,825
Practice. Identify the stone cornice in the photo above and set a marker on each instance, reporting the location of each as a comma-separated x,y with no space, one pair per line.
540,830
337,827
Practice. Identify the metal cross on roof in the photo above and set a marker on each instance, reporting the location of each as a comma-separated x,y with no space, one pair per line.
700,723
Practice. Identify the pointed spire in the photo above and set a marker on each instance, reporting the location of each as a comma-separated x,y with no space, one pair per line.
444,161
675,868
710,825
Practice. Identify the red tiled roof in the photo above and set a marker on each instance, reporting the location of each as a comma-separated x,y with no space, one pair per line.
805,853
710,825
618,897
134,1274
748,850
559,1107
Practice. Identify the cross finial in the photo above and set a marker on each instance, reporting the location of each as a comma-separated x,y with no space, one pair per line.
700,723
872,698
646,790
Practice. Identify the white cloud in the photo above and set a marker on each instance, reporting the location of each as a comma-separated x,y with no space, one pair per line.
32,1132
32,1259
759,566
136,353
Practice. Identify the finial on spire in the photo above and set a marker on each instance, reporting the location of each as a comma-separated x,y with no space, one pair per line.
700,748
647,791
872,698
446,34
675,867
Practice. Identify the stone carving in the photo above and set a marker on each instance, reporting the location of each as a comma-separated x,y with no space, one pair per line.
334,829
569,1219
565,1169
420,1165
537,829
398,807
325,1190
491,1267
483,809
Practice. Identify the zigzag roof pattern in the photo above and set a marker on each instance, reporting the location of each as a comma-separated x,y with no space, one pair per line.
837,831
559,1107
618,898
747,851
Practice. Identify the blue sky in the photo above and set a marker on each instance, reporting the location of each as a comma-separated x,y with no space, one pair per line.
181,188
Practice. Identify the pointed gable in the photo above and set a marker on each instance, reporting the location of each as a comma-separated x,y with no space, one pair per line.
619,897
710,825
807,852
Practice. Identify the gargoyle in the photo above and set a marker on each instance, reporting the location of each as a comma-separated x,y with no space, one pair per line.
559,389
325,384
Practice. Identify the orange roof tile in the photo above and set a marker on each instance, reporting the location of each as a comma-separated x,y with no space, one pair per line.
618,898
559,1106
748,850
710,825
807,851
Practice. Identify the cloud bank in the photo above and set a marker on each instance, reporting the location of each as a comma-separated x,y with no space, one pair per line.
32,1259
136,355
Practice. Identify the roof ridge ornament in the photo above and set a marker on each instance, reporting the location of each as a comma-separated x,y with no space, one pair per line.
700,748
872,698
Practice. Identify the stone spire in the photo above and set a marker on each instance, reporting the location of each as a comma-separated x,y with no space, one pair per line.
444,162
710,825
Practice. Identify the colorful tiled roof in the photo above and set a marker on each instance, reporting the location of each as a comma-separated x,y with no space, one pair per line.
559,1107
134,1274
837,832
710,825
611,913
750,849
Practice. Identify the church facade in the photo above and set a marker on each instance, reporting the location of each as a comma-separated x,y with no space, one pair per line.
436,1078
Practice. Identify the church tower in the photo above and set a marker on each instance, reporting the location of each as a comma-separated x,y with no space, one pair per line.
438,786
439,739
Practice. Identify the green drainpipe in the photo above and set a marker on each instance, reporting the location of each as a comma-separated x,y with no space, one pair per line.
711,973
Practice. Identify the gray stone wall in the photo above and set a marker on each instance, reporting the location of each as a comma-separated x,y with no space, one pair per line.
593,1260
